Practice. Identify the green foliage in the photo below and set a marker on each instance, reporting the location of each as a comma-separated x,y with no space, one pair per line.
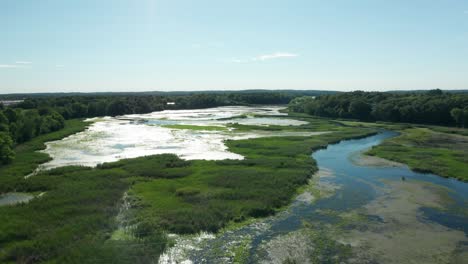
434,107
38,116
11,115
360,109
153,166
94,105
187,191
23,125
4,124
76,216
27,157
297,104
214,193
6,145
460,116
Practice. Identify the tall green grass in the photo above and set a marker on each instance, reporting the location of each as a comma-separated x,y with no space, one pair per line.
426,150
75,219
28,158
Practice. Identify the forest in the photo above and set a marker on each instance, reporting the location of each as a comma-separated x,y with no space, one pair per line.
433,107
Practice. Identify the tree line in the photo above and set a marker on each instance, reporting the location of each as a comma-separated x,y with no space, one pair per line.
40,115
432,107
20,125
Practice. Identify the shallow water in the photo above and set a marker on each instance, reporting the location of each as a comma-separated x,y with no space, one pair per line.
130,136
15,198
370,210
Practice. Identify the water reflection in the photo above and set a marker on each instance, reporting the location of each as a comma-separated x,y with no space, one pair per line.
131,136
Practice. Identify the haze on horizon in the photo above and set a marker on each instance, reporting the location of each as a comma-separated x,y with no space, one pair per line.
126,45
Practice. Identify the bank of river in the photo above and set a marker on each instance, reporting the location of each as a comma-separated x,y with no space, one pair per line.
352,212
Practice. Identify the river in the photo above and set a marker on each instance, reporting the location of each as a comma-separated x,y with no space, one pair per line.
356,210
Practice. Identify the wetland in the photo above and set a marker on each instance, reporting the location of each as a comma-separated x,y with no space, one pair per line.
226,185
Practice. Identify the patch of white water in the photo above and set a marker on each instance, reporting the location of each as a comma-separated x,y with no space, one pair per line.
111,139
210,113
15,198
184,244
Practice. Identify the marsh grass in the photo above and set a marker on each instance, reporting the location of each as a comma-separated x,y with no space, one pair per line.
76,217
197,128
424,148
28,158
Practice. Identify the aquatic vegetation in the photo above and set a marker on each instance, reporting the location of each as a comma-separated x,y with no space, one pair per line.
241,251
83,216
207,114
294,247
399,214
196,134
182,244
196,127
340,227
425,150
305,245
267,121
77,218
361,159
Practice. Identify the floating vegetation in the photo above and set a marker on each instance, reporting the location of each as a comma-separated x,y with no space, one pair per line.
197,127
190,134
353,214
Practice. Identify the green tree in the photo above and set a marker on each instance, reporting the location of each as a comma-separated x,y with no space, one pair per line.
11,115
3,122
435,92
457,115
298,104
465,117
79,110
118,107
360,109
6,148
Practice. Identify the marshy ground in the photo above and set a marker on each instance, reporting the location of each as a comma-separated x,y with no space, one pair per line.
242,210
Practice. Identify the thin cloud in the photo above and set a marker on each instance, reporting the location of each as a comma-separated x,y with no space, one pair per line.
235,60
17,64
10,66
59,66
264,57
276,55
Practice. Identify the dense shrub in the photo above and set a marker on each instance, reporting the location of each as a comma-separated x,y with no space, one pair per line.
433,107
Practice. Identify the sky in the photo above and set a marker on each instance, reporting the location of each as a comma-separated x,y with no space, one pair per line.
175,45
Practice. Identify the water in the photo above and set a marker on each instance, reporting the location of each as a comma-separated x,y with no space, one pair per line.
15,198
130,136
370,209
360,182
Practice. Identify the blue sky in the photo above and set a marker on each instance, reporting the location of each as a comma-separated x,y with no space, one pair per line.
132,45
